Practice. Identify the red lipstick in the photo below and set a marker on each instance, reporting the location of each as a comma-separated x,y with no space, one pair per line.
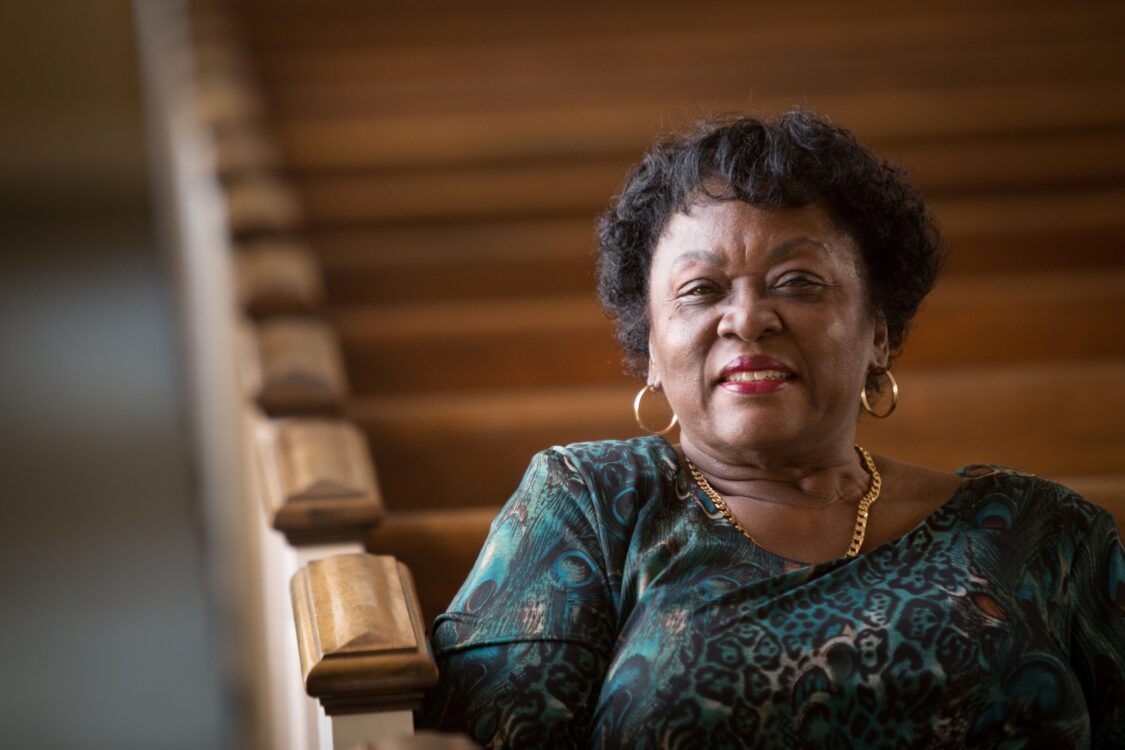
754,375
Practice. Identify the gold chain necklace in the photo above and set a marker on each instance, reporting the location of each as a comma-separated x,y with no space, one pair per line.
865,502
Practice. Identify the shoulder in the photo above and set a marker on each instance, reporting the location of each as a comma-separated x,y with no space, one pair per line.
611,481
615,461
1003,497
610,468
589,484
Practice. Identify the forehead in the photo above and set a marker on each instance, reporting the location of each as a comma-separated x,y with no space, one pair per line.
733,230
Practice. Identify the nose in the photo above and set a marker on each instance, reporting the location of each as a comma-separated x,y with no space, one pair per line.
748,316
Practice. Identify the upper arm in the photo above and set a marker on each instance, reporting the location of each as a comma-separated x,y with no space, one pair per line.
1097,583
526,641
520,694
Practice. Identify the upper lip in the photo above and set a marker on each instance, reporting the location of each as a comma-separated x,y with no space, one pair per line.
754,362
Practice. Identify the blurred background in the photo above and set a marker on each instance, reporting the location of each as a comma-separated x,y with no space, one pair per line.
440,165
105,627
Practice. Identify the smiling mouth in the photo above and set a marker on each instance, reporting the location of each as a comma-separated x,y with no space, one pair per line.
757,376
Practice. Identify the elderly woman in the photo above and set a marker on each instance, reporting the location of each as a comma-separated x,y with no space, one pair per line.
766,582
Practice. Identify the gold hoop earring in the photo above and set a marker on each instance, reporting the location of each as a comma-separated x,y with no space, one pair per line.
894,397
637,413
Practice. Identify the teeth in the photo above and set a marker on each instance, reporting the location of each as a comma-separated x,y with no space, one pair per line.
753,376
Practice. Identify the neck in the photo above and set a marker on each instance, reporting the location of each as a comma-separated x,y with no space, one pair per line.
808,480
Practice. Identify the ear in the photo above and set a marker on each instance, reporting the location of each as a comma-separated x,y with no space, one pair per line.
654,376
881,347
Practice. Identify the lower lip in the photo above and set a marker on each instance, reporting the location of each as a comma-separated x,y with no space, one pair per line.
754,387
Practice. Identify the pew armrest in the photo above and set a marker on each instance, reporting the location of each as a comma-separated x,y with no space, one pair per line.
293,366
319,483
360,635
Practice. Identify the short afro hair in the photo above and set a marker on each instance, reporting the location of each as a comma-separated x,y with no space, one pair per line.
791,161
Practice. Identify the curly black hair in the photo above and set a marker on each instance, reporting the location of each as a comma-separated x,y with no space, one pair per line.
791,161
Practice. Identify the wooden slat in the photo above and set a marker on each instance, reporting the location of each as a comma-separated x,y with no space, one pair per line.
469,260
472,450
1020,317
479,345
1043,230
1053,419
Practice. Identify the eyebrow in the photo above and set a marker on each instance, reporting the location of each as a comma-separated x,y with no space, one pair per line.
777,252
704,255
788,245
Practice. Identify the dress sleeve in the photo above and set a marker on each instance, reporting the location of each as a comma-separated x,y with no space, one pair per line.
523,648
1097,588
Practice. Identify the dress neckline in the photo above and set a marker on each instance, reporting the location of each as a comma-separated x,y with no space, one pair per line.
682,475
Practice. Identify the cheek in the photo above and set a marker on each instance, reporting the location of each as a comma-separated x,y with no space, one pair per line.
845,350
678,344
839,339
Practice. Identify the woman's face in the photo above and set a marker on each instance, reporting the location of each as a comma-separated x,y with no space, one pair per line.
761,332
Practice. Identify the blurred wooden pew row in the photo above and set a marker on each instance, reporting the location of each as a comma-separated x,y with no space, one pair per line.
1050,417
582,186
665,52
992,47
900,121
544,341
480,259
297,26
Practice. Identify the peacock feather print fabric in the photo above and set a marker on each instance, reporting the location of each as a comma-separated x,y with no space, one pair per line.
613,606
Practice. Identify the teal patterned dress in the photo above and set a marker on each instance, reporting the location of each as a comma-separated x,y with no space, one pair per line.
613,606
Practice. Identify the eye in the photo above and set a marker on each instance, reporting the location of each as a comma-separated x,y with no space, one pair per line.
799,282
699,288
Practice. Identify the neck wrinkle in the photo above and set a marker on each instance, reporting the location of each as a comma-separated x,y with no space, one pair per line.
826,482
